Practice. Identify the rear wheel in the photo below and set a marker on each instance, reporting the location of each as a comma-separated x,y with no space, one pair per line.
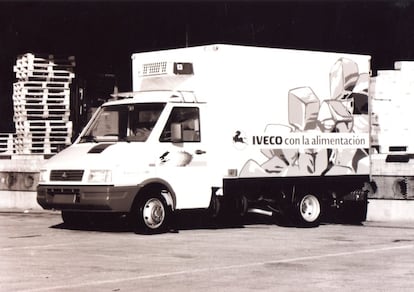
308,211
215,207
353,212
151,215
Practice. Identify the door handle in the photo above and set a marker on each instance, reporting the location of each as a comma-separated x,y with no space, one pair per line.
199,152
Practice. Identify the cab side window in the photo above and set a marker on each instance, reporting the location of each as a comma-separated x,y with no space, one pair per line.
183,125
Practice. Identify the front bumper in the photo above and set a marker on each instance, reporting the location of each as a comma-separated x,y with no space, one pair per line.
106,198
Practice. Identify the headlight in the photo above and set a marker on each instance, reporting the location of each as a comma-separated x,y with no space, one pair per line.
100,176
43,176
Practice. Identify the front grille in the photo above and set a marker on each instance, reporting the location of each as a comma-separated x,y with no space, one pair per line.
60,191
66,175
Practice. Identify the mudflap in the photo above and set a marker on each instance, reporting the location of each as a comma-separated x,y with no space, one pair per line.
352,208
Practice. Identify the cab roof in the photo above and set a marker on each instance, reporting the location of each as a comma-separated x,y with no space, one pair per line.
152,96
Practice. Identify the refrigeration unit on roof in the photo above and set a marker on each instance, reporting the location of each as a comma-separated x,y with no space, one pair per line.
166,68
164,76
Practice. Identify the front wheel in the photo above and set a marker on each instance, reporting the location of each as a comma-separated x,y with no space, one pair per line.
74,219
151,215
308,211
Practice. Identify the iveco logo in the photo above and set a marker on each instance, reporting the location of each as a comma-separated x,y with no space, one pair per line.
64,175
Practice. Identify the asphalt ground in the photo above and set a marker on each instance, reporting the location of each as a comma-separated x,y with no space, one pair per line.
38,253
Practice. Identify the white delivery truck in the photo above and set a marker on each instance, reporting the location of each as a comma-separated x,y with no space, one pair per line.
271,131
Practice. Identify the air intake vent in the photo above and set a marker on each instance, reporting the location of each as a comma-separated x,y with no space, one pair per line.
157,68
99,148
397,148
166,68
66,175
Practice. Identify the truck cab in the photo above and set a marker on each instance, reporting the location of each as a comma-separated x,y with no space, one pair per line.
135,153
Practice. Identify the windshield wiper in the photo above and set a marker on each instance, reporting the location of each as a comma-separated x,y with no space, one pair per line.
88,138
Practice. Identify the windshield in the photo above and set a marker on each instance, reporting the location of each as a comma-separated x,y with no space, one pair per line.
127,122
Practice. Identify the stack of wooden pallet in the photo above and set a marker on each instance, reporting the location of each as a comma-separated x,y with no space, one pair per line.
392,102
6,143
41,98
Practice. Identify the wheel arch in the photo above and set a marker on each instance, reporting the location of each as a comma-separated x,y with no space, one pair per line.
157,185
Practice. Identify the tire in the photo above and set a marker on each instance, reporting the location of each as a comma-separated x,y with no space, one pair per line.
233,211
308,211
73,219
151,215
214,209
353,213
361,211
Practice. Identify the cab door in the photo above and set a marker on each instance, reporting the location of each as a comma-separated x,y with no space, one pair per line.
183,156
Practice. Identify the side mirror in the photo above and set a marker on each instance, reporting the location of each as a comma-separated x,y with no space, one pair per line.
176,133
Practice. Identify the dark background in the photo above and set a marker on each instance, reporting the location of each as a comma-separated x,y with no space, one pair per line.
103,35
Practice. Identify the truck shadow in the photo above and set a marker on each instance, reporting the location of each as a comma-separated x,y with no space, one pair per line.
98,223
183,220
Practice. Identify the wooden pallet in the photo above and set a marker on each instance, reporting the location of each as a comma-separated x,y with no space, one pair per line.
41,71
23,138
41,107
30,58
33,65
43,100
45,79
41,85
6,143
23,93
46,125
53,97
45,149
21,113
29,142
19,67
20,116
48,138
44,75
40,147
44,94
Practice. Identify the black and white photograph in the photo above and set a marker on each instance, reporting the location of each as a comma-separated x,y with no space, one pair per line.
206,145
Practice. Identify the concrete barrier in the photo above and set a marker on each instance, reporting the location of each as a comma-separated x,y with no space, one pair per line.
19,176
18,200
20,172
18,181
390,210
